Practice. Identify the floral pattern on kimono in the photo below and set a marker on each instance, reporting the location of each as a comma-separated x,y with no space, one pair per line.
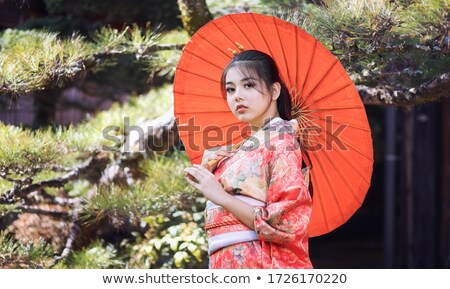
271,172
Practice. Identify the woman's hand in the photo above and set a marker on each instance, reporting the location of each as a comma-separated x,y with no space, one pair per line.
225,151
213,191
206,183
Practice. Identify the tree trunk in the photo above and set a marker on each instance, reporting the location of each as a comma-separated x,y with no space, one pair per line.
194,14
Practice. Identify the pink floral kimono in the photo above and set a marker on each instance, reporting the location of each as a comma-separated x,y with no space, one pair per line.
267,173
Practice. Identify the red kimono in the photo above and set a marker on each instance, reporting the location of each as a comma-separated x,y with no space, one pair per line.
267,173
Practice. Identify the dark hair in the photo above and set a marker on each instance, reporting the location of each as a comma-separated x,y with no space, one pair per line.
263,67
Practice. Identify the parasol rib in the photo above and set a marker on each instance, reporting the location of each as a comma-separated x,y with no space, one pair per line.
199,75
347,124
198,94
282,48
322,169
207,112
204,59
352,147
262,35
205,130
221,50
359,152
242,32
322,78
309,66
344,179
328,94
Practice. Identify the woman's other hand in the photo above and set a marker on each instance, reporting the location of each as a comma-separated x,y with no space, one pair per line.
217,155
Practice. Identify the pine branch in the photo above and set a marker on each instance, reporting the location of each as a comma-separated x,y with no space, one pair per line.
427,92
58,168
409,47
42,197
158,135
32,60
20,192
73,235
145,52
40,211
11,180
355,53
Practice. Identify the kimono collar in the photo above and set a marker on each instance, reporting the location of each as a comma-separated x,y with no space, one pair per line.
276,124
273,122
280,125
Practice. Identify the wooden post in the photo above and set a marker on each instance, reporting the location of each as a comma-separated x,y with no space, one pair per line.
390,178
426,184
409,145
444,245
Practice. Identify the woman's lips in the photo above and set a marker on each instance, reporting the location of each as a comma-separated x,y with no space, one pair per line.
241,108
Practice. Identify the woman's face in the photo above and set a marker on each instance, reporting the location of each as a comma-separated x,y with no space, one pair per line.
249,99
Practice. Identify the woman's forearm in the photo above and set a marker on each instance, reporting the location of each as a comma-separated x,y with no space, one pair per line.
239,208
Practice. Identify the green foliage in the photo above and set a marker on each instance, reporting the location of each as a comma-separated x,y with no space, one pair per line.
367,37
77,188
165,176
167,68
26,152
15,254
8,208
134,39
163,191
355,23
284,4
425,20
179,242
90,134
96,256
178,36
168,211
34,60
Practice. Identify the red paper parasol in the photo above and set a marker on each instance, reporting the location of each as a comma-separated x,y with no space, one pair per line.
334,131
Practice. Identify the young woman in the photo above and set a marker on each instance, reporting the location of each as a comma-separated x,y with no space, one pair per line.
259,206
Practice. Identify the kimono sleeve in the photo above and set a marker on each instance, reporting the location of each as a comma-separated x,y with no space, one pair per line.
286,215
210,151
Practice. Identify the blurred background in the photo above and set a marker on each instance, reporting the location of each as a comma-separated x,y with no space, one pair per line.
73,195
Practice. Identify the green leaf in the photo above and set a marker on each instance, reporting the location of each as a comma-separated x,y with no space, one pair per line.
183,246
192,247
158,243
173,244
179,257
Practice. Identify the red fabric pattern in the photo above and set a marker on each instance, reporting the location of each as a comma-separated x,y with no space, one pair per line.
272,174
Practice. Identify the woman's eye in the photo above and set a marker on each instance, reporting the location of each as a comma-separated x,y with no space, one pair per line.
248,85
230,89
